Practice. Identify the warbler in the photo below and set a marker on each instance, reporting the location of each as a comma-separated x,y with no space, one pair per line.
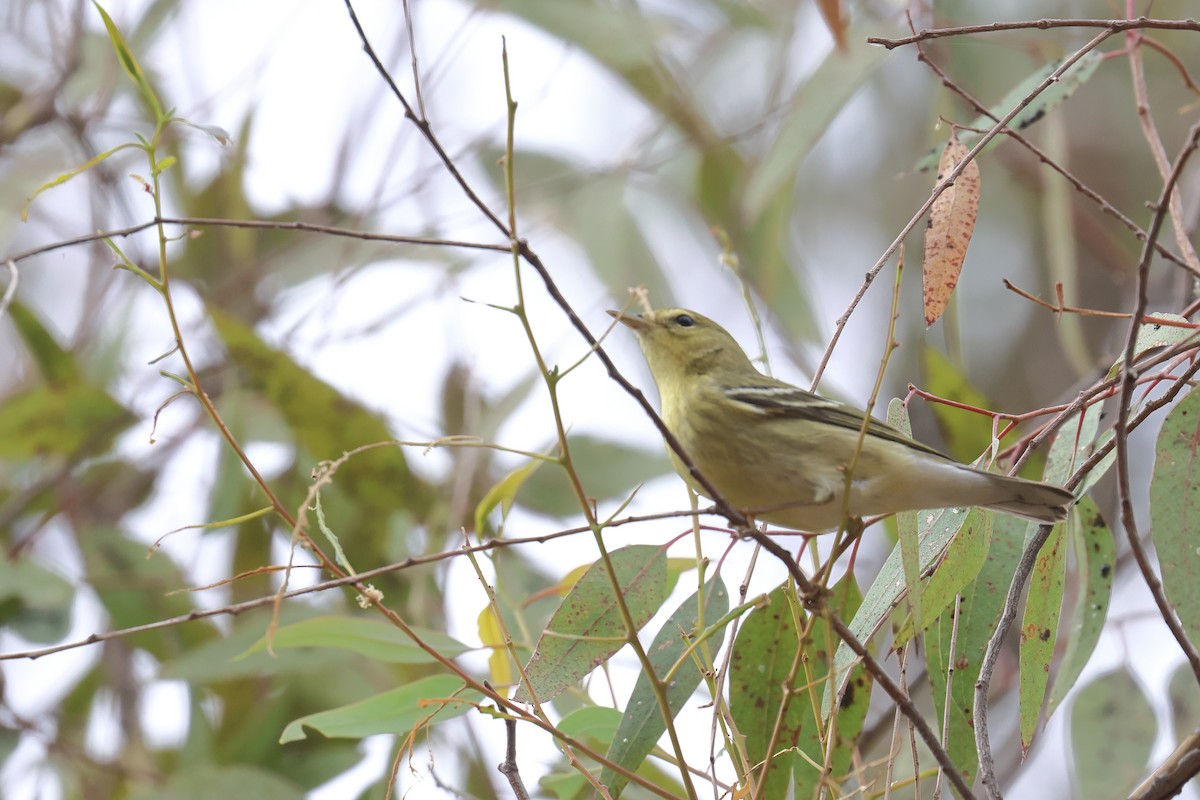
780,454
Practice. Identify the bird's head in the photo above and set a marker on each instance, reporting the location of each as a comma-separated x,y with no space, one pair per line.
680,344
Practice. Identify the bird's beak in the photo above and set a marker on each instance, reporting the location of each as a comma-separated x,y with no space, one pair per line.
638,323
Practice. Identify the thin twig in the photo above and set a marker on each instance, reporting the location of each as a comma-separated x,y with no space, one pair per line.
508,767
1112,26
1153,139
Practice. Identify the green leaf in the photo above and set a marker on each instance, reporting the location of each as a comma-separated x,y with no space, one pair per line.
765,660
593,209
60,420
1175,510
129,62
1112,732
964,559
820,644
397,711
937,529
906,524
1184,698
642,723
34,602
978,614
1049,99
1153,334
587,628
1039,629
503,494
606,469
597,722
371,637
1096,561
56,365
225,658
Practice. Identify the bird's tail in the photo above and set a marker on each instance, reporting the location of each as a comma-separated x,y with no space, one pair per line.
1039,502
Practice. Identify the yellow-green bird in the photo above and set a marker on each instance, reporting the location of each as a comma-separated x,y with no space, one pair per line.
779,453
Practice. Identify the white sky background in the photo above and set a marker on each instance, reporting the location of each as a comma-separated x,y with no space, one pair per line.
299,67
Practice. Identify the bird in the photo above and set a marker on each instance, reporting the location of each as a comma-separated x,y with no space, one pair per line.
779,454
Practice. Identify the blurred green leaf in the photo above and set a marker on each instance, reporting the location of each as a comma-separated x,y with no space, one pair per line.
397,711
967,433
326,423
370,637
503,494
1112,733
134,591
587,628
812,107
224,658
34,602
61,421
906,526
1183,695
56,365
208,781
593,210
129,61
607,470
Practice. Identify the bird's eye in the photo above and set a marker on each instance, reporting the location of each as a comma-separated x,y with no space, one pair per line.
684,321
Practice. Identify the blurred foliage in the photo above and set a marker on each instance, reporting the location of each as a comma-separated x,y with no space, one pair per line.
735,135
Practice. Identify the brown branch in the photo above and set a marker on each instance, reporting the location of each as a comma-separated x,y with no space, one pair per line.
1111,25
508,767
205,222
1173,774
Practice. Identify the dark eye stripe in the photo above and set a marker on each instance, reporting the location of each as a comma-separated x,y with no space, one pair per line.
684,321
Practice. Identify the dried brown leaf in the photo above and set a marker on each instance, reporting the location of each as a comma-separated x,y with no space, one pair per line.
951,223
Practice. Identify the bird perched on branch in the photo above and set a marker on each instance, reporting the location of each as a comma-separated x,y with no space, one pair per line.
780,454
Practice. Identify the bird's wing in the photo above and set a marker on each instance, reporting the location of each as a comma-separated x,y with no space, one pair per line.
785,400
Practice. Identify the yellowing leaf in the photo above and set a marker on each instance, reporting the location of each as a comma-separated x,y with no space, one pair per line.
951,223
491,634
503,494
